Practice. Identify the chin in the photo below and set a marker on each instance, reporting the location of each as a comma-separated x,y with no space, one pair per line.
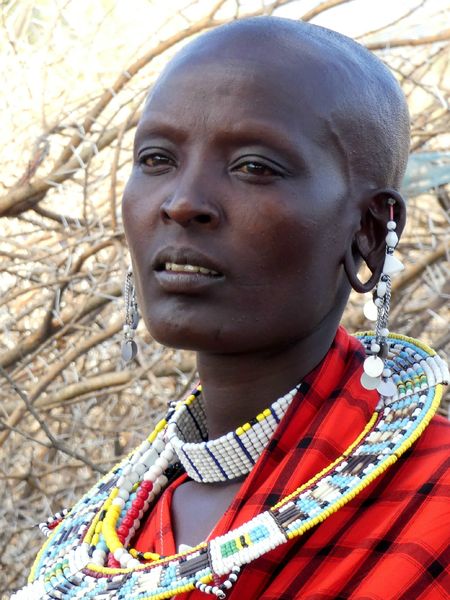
183,335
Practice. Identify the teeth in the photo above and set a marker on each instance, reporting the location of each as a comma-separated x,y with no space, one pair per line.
188,269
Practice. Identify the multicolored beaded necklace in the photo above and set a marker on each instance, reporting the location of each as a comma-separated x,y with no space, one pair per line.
88,556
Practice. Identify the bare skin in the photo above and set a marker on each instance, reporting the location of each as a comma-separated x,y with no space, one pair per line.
197,507
230,174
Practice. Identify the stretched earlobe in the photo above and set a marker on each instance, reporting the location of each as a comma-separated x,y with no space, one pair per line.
351,270
371,242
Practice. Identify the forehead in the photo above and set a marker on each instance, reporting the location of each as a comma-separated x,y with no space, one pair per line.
296,99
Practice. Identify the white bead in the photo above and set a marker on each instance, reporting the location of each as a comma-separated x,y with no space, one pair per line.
119,553
162,463
374,347
149,457
140,469
378,303
392,265
167,454
123,494
391,225
144,446
119,502
155,471
133,477
159,445
133,563
391,239
125,484
124,560
98,556
384,332
381,289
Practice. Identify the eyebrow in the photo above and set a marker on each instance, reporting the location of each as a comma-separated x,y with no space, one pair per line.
244,132
161,127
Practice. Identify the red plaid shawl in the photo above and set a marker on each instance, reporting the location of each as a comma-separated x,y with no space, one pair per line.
390,542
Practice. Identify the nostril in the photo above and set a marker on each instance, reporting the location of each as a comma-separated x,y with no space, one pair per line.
185,211
203,218
165,215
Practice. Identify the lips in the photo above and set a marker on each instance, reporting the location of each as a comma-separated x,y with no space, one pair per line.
184,260
178,268
184,270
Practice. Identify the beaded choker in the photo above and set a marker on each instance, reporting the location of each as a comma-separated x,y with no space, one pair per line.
88,554
229,456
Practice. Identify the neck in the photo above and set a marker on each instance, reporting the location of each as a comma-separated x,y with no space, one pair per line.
236,387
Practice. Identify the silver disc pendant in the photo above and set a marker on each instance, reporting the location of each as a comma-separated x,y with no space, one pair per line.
370,311
373,366
370,383
129,350
388,389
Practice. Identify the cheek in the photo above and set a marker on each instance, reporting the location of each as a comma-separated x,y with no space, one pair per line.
275,236
139,213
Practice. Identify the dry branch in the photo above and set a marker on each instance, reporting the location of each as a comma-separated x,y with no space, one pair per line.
55,370
62,262
443,36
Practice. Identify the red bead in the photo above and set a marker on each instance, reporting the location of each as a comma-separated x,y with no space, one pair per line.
138,504
112,562
123,531
133,513
128,521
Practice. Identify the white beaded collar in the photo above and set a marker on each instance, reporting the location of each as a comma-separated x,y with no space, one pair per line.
230,456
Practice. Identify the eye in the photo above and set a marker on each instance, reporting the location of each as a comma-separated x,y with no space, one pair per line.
258,170
255,168
156,162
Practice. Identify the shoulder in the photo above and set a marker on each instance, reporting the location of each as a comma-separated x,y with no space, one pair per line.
435,440
430,456
428,460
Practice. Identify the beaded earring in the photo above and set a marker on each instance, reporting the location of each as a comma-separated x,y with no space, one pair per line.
375,374
129,346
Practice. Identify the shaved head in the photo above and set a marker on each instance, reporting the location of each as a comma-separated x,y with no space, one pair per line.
356,95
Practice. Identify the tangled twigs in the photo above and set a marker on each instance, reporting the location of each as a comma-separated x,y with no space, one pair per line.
68,406
58,445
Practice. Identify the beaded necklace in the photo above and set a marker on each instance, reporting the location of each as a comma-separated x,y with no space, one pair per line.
229,456
87,554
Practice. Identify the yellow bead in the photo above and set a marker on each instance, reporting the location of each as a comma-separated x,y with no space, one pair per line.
239,431
267,412
246,426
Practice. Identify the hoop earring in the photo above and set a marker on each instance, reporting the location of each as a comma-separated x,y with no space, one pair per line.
375,375
129,346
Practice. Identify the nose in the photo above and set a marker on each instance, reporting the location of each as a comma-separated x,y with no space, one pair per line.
189,204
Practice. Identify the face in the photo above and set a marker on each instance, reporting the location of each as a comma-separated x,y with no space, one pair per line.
236,212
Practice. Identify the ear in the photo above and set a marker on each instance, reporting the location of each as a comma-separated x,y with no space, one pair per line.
369,243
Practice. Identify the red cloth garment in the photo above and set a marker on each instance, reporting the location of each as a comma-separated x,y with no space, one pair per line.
390,542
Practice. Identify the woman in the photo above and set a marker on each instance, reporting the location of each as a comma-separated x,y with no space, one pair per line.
266,169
